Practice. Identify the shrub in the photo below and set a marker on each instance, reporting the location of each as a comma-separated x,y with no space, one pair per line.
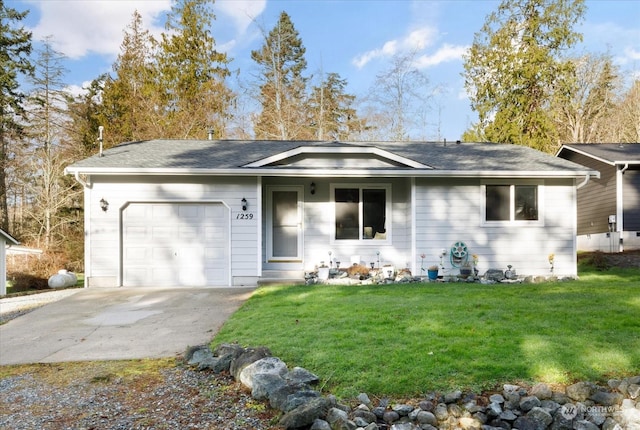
26,282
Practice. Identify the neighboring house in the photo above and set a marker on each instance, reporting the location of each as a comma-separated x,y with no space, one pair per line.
608,207
196,213
6,240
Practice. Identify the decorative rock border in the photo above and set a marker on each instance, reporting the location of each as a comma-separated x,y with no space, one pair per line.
581,406
404,276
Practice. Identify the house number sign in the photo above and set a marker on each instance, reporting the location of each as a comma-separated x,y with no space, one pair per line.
244,215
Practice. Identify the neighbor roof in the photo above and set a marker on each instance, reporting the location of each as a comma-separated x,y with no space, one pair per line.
252,157
8,238
610,153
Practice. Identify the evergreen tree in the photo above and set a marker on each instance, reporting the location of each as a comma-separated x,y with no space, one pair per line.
513,65
191,74
129,99
15,48
332,115
282,84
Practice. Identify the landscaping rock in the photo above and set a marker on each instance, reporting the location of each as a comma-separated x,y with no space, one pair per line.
495,275
585,406
541,391
607,399
247,357
267,365
306,414
581,391
528,403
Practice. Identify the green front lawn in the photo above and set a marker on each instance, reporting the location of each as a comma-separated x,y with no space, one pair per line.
404,340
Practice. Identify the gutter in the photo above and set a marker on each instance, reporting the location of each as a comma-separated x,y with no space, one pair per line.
419,173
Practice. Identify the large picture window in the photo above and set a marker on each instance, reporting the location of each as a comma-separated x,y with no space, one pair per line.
512,203
360,212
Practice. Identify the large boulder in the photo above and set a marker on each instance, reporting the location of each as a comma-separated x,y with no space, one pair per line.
247,357
263,366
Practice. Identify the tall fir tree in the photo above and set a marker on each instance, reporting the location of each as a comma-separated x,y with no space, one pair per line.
191,74
282,84
129,99
15,48
513,65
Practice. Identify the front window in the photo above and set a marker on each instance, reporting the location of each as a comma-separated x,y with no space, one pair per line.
511,203
360,213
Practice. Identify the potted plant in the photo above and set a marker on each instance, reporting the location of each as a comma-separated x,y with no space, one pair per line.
432,272
323,271
466,270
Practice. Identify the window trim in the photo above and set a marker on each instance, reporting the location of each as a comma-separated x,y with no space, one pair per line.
512,221
388,213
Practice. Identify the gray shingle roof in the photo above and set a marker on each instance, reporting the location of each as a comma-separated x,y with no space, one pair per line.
615,153
231,155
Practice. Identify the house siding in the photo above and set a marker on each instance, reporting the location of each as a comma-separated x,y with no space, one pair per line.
597,199
317,220
631,199
105,227
450,211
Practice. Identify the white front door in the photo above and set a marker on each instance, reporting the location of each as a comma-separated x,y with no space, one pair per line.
284,224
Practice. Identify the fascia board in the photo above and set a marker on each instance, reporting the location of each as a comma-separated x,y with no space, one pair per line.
333,173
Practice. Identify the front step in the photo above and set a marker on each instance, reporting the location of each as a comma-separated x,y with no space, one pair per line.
278,277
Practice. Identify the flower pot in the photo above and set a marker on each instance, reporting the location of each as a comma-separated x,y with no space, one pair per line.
323,273
465,272
432,274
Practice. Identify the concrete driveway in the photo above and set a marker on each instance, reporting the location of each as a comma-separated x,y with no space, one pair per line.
118,323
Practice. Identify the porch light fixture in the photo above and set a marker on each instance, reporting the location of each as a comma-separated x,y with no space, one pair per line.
104,205
312,188
244,204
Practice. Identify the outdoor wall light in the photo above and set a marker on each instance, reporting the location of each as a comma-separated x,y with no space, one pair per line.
244,204
312,188
104,205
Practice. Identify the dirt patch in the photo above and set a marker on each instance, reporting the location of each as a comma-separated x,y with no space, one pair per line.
139,394
602,260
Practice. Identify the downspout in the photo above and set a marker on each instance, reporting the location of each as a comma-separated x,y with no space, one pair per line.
82,182
587,178
626,166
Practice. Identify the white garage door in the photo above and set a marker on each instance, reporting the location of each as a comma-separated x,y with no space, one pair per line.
175,244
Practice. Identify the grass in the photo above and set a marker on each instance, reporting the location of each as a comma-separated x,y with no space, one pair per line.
408,339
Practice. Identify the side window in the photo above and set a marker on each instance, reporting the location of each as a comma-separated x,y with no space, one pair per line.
511,203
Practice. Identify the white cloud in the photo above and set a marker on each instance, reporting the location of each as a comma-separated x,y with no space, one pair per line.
242,12
416,40
444,54
81,27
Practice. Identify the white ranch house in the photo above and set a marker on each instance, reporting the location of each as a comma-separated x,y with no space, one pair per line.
225,213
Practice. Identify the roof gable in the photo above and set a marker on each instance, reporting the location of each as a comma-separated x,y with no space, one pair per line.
338,157
609,153
8,238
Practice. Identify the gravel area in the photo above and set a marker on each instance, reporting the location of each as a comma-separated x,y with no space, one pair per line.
126,395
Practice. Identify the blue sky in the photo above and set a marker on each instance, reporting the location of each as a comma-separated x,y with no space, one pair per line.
354,38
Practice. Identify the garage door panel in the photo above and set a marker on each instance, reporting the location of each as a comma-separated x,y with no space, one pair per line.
169,244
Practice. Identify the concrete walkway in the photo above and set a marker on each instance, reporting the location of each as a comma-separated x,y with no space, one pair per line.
118,323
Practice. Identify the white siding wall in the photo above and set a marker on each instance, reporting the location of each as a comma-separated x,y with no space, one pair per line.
450,211
104,229
318,220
